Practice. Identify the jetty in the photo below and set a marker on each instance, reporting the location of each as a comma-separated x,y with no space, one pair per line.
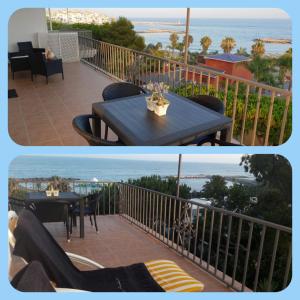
160,31
274,41
158,23
235,178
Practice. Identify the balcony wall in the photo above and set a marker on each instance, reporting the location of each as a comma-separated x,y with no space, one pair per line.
23,26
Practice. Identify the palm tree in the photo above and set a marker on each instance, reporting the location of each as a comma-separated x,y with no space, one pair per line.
227,44
174,40
180,47
158,46
258,48
242,51
190,40
205,44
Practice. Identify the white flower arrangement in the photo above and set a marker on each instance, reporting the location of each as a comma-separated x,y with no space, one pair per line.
157,102
51,192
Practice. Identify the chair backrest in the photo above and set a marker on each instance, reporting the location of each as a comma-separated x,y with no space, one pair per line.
25,47
32,278
49,211
83,127
210,102
35,243
120,90
93,201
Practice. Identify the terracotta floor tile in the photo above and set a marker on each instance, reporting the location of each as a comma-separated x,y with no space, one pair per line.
40,135
55,104
119,243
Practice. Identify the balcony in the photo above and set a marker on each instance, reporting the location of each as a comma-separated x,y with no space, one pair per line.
119,243
227,251
42,114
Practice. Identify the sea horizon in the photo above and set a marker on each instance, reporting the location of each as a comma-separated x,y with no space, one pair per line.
243,30
87,168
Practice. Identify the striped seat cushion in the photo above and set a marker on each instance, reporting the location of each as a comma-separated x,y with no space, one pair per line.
172,278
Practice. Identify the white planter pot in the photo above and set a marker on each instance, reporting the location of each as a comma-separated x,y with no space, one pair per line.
150,104
161,110
56,193
48,193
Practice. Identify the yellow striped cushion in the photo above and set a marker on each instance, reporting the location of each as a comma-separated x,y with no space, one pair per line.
172,278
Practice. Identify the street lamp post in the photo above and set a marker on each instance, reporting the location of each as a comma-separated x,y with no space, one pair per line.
187,29
178,175
50,19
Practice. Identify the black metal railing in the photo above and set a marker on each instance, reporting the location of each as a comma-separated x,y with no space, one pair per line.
246,253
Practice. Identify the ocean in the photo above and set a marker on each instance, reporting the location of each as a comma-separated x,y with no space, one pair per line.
103,169
244,31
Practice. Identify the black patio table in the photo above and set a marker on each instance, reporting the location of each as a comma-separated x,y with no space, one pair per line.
135,125
67,198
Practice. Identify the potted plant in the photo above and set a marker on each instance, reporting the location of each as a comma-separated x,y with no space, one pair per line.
161,107
49,191
157,102
53,189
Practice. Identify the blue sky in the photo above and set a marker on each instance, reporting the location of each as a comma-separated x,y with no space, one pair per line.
255,13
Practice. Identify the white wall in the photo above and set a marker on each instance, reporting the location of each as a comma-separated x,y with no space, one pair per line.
23,26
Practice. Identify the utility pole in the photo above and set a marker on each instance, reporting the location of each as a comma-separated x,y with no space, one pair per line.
178,175
50,19
187,30
67,16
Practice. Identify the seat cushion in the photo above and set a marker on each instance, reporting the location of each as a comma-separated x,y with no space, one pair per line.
172,278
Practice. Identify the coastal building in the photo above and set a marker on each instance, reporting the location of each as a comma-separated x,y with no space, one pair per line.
231,64
74,16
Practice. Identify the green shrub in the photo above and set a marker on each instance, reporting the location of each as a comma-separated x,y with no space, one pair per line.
277,115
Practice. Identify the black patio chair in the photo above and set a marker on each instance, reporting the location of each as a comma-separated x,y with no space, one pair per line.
83,127
27,48
214,104
46,67
33,242
49,211
120,90
90,209
19,62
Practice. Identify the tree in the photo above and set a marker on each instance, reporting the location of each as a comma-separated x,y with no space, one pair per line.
238,199
166,186
180,47
242,51
258,48
205,44
216,190
227,44
190,40
120,32
274,173
263,69
285,63
174,40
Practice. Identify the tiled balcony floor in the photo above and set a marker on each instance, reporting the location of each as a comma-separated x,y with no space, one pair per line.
42,114
120,243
